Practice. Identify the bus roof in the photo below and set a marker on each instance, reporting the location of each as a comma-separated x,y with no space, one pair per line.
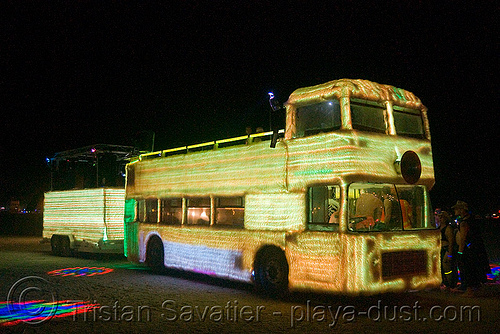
356,88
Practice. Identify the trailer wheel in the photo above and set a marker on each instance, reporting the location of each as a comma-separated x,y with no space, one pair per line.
55,245
271,272
65,246
155,257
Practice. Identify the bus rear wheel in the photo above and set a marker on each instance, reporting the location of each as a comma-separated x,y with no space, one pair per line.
271,272
155,257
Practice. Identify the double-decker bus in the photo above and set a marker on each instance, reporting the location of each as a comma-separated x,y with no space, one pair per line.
339,204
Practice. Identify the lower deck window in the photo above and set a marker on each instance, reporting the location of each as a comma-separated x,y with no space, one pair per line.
323,208
198,211
171,211
230,211
151,210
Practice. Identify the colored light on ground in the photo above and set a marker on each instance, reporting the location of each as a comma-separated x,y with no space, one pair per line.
37,311
495,272
80,271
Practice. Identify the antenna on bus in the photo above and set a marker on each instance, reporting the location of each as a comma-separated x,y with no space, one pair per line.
276,107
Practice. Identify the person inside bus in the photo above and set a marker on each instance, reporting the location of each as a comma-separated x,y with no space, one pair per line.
333,213
369,207
204,219
396,212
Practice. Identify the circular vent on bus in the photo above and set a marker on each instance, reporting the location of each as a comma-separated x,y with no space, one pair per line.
410,167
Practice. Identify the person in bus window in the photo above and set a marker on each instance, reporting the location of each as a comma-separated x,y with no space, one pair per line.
370,207
333,211
333,205
397,210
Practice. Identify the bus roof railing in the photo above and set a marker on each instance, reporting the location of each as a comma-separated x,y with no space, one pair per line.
211,145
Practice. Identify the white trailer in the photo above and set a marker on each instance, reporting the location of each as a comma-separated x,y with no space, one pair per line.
84,220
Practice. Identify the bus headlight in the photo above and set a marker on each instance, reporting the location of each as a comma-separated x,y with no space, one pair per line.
409,167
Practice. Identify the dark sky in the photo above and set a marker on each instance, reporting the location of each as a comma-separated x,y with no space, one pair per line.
78,73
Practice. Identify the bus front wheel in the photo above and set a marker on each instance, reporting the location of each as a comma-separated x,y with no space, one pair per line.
271,272
155,257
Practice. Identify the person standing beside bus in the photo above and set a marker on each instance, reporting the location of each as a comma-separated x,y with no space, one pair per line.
449,247
472,258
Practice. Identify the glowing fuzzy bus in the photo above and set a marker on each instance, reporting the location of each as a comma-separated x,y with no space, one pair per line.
340,204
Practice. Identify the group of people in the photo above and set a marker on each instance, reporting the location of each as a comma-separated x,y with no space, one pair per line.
462,248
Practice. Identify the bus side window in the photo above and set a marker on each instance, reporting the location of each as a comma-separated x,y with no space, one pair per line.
171,211
151,211
198,211
141,210
323,208
230,211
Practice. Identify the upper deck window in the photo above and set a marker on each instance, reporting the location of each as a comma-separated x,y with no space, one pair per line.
367,116
319,117
408,122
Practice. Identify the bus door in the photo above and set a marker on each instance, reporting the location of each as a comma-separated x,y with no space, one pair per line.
316,252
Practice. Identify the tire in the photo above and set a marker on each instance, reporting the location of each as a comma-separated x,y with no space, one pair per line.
60,245
271,272
65,246
155,257
55,245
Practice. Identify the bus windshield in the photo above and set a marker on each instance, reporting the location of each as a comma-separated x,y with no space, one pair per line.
387,207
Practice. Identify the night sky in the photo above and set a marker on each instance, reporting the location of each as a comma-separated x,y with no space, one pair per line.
78,73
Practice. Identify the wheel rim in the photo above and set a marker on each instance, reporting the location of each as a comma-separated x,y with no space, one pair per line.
273,272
